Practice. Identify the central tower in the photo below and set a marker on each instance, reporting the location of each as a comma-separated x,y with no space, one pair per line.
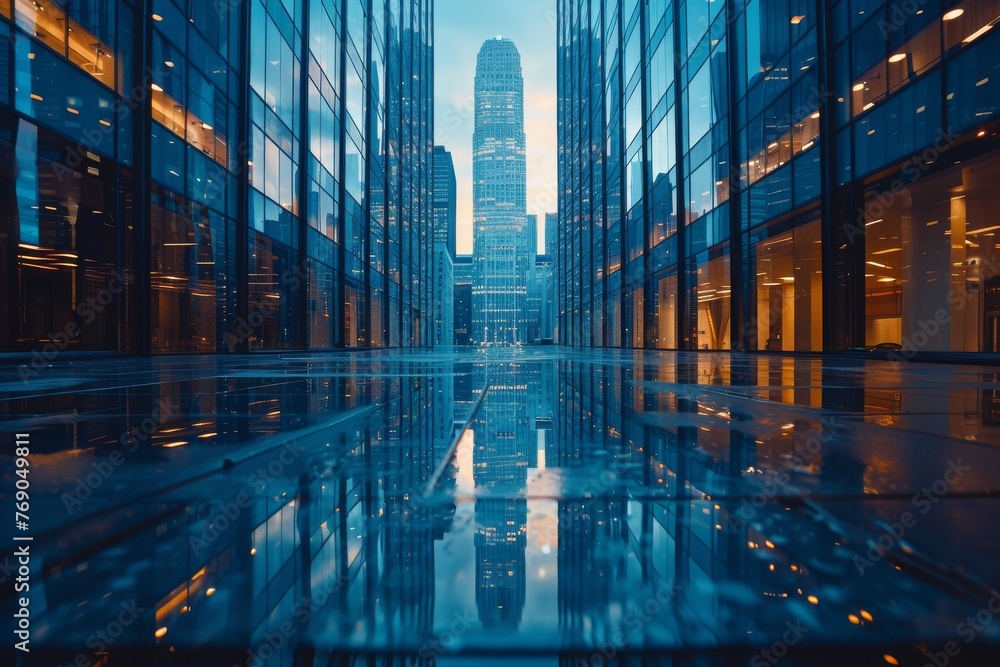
500,238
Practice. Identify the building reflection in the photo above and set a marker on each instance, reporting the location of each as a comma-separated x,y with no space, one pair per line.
503,453
327,549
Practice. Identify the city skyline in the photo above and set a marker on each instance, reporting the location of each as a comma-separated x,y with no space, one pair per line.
531,332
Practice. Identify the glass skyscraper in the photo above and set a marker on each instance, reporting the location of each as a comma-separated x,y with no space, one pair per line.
445,197
779,175
500,235
184,176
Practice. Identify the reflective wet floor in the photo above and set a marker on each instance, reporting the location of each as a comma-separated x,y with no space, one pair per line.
537,505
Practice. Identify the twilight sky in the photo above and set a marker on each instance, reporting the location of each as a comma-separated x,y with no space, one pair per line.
460,28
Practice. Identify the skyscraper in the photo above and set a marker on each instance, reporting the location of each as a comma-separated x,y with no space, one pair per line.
445,204
462,321
445,199
500,236
532,221
551,222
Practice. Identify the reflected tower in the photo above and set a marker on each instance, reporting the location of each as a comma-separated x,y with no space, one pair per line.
503,453
500,237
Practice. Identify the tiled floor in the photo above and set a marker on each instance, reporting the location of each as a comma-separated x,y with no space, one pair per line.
563,508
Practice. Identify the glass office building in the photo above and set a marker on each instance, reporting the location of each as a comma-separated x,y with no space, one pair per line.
186,176
500,253
779,174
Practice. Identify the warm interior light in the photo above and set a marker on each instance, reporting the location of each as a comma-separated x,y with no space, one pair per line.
953,14
897,57
797,19
157,87
814,115
157,17
977,34
858,87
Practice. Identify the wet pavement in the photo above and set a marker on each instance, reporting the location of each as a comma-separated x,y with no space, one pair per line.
553,507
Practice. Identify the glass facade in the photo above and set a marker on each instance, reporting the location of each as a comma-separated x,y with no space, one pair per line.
184,176
501,255
752,175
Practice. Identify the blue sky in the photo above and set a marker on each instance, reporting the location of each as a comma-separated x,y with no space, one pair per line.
460,28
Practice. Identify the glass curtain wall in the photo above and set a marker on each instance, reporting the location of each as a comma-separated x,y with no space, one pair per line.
774,179
185,176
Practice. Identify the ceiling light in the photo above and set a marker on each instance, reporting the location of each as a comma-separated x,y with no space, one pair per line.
156,87
897,57
797,19
977,34
953,14
858,87
157,17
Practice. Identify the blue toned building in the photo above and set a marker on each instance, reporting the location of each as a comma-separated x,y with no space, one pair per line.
184,176
445,198
779,175
500,235
462,319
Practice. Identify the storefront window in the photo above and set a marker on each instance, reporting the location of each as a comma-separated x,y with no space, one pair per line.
712,295
63,225
932,264
666,313
183,276
789,288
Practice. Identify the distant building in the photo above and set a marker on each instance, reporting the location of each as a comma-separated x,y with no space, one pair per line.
445,199
500,235
463,300
540,301
551,229
444,211
444,297
532,224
